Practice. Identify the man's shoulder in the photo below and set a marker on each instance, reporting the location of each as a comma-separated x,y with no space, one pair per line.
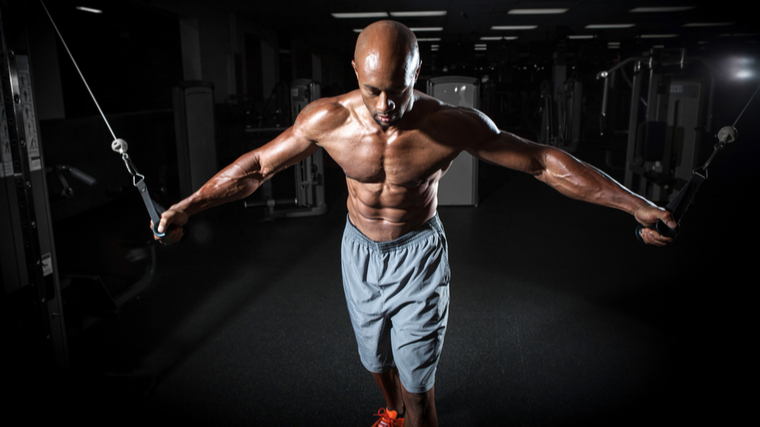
450,118
325,114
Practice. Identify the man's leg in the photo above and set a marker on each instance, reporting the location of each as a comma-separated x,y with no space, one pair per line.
420,409
391,387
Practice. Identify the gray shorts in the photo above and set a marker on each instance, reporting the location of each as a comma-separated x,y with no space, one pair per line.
398,300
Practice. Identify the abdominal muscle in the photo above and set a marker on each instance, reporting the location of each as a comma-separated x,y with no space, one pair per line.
385,212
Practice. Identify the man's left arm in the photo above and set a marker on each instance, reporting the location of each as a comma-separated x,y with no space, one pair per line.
565,173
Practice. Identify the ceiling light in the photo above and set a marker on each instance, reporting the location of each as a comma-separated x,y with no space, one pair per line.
420,29
513,27
661,9
658,36
738,35
429,39
419,13
360,15
584,37
494,38
89,9
608,26
536,11
708,24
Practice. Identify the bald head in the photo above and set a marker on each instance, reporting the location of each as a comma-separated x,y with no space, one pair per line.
387,44
387,63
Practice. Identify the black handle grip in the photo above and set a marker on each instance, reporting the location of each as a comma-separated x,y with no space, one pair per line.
661,228
185,230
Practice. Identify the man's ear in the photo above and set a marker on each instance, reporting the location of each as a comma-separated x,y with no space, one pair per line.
353,64
417,73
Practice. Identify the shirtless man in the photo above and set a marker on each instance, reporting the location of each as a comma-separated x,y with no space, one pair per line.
394,145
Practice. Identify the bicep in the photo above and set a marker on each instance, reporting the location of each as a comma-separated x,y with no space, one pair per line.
289,148
492,145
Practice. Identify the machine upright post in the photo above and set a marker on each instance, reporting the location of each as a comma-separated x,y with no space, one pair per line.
32,302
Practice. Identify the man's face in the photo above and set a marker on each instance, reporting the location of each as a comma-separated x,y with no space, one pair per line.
387,86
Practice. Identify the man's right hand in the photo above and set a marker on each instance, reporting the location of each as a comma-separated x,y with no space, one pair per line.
172,220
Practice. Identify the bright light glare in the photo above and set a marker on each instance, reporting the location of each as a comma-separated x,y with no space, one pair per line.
89,9
745,74
741,67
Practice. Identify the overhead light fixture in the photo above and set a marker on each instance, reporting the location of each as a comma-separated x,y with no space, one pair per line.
738,35
661,9
708,24
608,26
360,15
513,27
88,9
421,29
421,13
495,38
429,39
536,11
658,36
581,37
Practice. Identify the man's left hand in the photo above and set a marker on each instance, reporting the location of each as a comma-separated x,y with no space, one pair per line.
648,216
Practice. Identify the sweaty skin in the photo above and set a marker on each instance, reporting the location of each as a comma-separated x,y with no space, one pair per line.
394,145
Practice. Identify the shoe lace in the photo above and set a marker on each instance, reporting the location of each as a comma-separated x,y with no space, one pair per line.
388,419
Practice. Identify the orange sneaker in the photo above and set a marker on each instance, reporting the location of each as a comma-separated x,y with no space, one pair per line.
388,419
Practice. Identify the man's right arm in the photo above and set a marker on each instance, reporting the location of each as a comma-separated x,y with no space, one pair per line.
241,178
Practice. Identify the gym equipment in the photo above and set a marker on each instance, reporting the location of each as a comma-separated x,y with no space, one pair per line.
562,105
681,202
118,145
196,139
678,206
66,190
460,184
309,173
32,305
664,145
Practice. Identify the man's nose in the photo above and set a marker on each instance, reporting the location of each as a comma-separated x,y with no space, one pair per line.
384,103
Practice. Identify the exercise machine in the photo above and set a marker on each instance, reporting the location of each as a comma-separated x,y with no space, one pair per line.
32,302
670,112
460,184
562,103
309,197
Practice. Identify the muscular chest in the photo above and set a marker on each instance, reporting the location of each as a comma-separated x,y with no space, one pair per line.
404,159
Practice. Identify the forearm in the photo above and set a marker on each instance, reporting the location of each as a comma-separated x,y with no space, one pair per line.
235,182
579,180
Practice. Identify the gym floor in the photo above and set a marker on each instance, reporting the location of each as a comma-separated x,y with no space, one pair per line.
559,316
